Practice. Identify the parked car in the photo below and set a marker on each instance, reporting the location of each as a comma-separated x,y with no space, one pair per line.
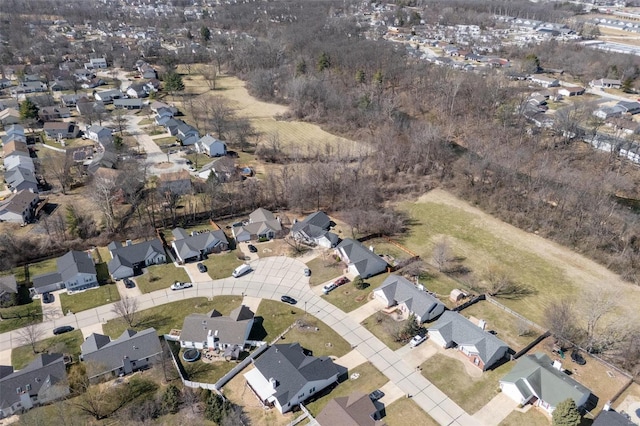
179,286
252,248
128,283
416,340
376,395
62,329
577,358
288,299
329,288
201,267
241,270
340,281
47,298
307,272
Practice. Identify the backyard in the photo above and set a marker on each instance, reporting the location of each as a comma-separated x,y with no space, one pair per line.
470,393
171,315
68,343
88,299
160,277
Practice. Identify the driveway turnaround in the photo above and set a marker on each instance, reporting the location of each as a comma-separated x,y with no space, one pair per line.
271,278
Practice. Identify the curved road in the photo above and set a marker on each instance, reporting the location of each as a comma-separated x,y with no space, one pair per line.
271,278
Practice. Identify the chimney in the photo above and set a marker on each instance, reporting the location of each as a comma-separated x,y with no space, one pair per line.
216,333
209,333
128,242
557,365
482,324
371,249
607,406
273,382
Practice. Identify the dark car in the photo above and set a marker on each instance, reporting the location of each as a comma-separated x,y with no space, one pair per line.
252,248
376,395
342,280
288,299
62,329
47,298
201,267
128,283
577,358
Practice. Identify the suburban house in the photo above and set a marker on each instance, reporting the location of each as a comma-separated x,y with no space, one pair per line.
216,331
175,182
569,91
360,260
606,112
75,271
53,113
19,179
545,81
194,246
314,230
537,380
284,376
19,207
137,90
108,96
211,146
8,288
28,87
15,147
15,129
171,124
187,134
629,107
127,103
356,409
127,261
42,381
156,106
400,292
224,169
89,108
481,347
99,134
58,129
606,83
263,225
130,352
96,63
609,417
18,159
69,100
9,116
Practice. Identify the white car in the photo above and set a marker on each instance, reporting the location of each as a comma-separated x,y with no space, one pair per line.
179,286
416,340
327,288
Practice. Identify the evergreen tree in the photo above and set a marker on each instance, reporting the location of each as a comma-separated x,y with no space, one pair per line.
627,85
324,61
173,82
171,399
360,76
215,409
566,414
359,283
301,68
205,33
378,77
28,110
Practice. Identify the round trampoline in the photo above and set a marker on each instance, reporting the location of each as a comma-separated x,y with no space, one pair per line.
191,355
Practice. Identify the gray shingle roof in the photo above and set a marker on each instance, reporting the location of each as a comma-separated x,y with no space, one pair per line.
261,215
191,246
107,355
453,327
421,303
319,219
230,330
8,284
547,383
44,371
134,254
44,280
292,369
612,418
365,261
75,262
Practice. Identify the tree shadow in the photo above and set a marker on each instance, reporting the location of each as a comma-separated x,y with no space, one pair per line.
155,321
515,292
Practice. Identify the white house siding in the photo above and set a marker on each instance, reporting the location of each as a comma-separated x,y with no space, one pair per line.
323,242
305,393
82,282
436,337
8,216
511,390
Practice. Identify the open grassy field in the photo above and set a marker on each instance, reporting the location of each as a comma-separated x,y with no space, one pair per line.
67,343
533,417
405,412
158,277
470,393
550,271
370,379
348,298
88,299
171,315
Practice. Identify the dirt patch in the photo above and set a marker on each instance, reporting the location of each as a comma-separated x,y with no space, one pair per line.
584,273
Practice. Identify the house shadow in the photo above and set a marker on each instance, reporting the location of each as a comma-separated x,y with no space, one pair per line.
258,332
343,376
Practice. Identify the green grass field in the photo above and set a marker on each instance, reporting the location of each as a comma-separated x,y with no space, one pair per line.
470,393
222,265
18,316
67,343
480,248
89,299
369,380
324,268
159,277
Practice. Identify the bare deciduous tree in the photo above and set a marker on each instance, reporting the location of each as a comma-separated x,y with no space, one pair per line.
560,317
127,308
31,334
58,167
442,254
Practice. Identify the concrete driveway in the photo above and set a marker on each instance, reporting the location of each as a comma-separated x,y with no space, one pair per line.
416,356
366,310
128,292
194,274
53,310
351,360
244,248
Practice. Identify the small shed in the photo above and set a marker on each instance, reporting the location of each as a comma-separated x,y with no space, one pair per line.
456,295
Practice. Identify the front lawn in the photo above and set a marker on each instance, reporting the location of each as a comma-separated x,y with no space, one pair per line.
159,277
89,299
470,393
405,411
533,417
198,160
324,268
276,317
171,315
322,342
67,343
222,265
18,316
382,326
348,298
369,378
